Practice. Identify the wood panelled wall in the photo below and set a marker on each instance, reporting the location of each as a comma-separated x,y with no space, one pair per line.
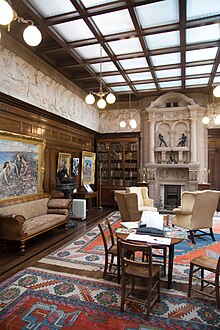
61,135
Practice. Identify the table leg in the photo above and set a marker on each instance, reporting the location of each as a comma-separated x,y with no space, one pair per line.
118,262
170,266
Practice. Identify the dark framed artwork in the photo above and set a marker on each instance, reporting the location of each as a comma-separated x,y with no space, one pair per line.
88,168
64,162
75,168
21,165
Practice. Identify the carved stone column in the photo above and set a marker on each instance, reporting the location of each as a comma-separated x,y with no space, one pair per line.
193,116
151,137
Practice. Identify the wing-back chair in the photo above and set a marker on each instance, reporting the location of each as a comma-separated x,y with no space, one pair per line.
128,206
196,212
144,202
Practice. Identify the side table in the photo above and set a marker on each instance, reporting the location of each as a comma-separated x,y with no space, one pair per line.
88,196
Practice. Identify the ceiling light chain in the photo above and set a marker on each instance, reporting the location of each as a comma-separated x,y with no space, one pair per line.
32,35
110,98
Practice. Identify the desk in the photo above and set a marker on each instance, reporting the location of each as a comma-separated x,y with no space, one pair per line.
87,196
170,247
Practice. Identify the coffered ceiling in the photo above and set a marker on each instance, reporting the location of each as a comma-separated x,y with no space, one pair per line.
146,47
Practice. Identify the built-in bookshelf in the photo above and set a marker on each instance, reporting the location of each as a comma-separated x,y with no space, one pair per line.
117,165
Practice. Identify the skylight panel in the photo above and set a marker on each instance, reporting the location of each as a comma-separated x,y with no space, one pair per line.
113,79
163,40
106,67
93,3
168,73
140,76
104,22
201,54
165,59
200,69
216,80
53,7
203,34
145,86
202,8
75,30
92,51
121,88
158,13
126,46
167,84
134,63
195,82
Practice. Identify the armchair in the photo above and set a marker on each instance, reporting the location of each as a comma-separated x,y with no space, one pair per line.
144,202
196,212
128,206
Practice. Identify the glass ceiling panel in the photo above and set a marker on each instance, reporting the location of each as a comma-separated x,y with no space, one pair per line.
218,69
201,54
53,7
200,69
168,73
163,40
104,22
134,63
145,86
203,33
140,76
166,84
75,30
106,67
92,3
113,79
202,8
167,12
216,80
120,88
194,82
166,59
92,51
125,46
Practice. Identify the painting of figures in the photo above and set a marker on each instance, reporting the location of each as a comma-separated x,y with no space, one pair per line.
20,165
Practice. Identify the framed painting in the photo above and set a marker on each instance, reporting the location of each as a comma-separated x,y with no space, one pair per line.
88,168
75,169
21,165
64,163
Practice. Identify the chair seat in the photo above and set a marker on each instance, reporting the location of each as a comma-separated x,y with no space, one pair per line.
113,249
142,272
205,262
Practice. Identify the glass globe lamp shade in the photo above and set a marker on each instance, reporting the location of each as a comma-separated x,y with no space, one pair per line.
6,13
32,36
217,120
122,124
90,99
216,91
110,98
205,120
101,103
133,123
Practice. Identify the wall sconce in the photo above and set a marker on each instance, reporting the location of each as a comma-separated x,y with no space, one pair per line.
32,35
101,103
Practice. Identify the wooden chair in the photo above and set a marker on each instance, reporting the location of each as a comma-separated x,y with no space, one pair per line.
133,269
198,266
110,247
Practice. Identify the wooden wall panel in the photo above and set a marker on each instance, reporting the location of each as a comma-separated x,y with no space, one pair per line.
60,134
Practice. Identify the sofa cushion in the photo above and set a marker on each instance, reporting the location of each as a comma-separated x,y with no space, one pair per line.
42,222
58,203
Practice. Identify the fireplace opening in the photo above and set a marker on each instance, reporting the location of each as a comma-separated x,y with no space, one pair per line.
172,195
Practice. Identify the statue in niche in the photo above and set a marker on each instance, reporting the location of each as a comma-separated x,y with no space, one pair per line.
162,141
182,141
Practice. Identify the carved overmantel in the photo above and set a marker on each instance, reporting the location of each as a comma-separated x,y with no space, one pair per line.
173,122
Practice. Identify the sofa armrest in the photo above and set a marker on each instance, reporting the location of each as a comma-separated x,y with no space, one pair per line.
180,211
57,203
148,202
58,211
11,226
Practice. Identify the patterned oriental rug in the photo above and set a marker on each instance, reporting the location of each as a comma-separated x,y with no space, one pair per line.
42,299
87,251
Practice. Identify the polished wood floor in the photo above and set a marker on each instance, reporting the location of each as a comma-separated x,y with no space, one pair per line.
11,261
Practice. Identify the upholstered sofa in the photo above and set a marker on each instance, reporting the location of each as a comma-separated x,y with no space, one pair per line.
34,216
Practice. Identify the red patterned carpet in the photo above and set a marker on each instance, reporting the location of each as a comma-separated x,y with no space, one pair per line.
37,299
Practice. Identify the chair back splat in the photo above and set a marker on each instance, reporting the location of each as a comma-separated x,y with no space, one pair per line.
133,270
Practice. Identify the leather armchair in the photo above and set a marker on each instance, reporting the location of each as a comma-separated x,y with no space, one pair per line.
128,206
196,212
144,202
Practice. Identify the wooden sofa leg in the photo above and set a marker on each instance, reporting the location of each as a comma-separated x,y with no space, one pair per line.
22,248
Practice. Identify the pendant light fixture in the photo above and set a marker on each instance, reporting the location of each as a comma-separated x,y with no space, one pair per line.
213,115
101,103
132,122
32,35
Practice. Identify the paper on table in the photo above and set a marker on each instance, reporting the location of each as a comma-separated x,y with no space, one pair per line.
152,219
149,239
130,224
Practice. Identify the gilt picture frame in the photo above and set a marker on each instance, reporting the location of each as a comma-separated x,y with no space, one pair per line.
88,168
21,165
64,162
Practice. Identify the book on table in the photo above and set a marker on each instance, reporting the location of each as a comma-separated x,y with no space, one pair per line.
151,223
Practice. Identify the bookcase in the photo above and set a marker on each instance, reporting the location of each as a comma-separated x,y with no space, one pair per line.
117,164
